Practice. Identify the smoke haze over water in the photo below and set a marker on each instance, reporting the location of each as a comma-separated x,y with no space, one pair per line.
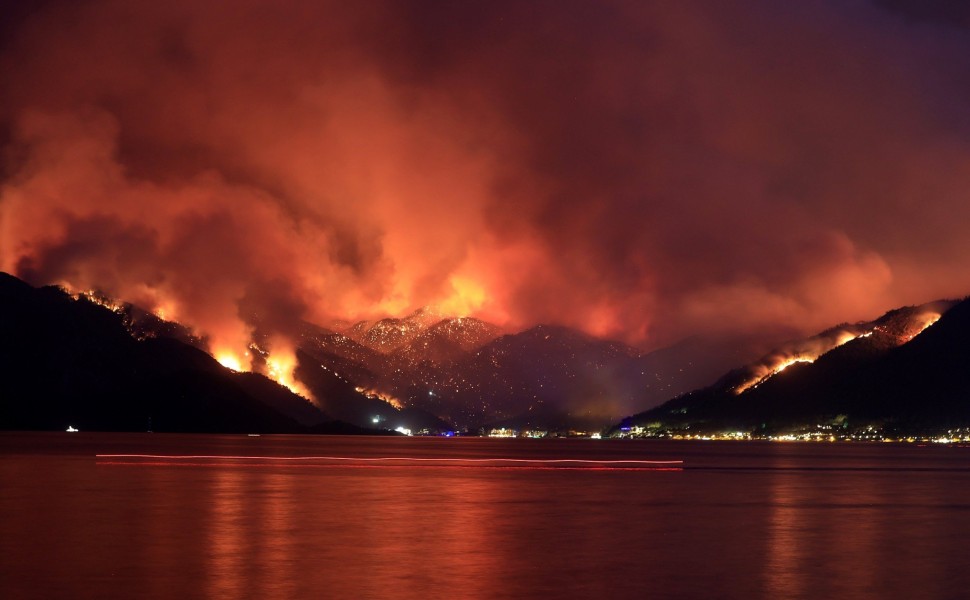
641,170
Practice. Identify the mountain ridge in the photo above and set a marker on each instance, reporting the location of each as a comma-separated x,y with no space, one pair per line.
889,375
85,349
68,360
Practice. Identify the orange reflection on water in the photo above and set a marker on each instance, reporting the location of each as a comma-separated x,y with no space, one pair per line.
226,576
823,532
786,551
279,527
401,533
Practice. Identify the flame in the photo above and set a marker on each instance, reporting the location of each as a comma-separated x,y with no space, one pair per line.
467,297
166,311
928,320
372,393
764,372
844,337
92,296
777,363
790,362
229,360
105,302
281,365
771,366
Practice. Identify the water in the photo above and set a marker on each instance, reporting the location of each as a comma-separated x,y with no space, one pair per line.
739,520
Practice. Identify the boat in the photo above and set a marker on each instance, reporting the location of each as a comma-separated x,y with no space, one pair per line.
72,429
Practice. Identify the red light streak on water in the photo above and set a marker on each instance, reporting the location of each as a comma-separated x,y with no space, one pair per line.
384,462
397,466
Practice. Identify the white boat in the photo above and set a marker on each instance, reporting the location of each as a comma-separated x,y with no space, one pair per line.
72,429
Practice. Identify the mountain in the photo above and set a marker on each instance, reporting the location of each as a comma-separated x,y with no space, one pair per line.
445,341
71,360
464,372
118,365
387,335
545,377
908,370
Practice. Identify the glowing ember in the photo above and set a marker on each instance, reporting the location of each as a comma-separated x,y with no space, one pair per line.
94,297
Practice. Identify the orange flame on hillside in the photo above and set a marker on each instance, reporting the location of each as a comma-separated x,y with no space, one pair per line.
809,350
808,353
229,360
372,393
281,366
925,321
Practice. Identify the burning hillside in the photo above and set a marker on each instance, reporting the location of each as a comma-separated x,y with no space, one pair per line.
898,327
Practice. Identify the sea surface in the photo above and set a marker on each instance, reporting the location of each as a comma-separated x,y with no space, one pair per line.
94,515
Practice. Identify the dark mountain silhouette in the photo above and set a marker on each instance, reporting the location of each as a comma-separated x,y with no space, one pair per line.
348,401
88,361
905,371
72,361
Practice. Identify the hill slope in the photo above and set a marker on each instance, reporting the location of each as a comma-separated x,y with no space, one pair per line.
71,361
908,370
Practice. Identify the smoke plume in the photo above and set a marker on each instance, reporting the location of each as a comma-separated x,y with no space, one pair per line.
642,170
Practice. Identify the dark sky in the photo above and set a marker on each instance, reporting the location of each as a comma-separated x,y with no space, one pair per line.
643,170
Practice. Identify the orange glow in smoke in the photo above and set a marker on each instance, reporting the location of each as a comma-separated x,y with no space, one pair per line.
229,360
166,311
468,297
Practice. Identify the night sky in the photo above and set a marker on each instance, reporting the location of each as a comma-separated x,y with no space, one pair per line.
639,170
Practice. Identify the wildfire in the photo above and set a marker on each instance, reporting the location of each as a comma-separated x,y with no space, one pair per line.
370,393
764,372
790,362
466,298
281,367
229,360
777,363
94,297
925,321
166,312
812,349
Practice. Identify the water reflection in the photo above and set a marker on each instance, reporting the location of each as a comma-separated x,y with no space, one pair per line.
415,531
279,530
786,544
823,532
397,532
856,533
755,521
229,517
